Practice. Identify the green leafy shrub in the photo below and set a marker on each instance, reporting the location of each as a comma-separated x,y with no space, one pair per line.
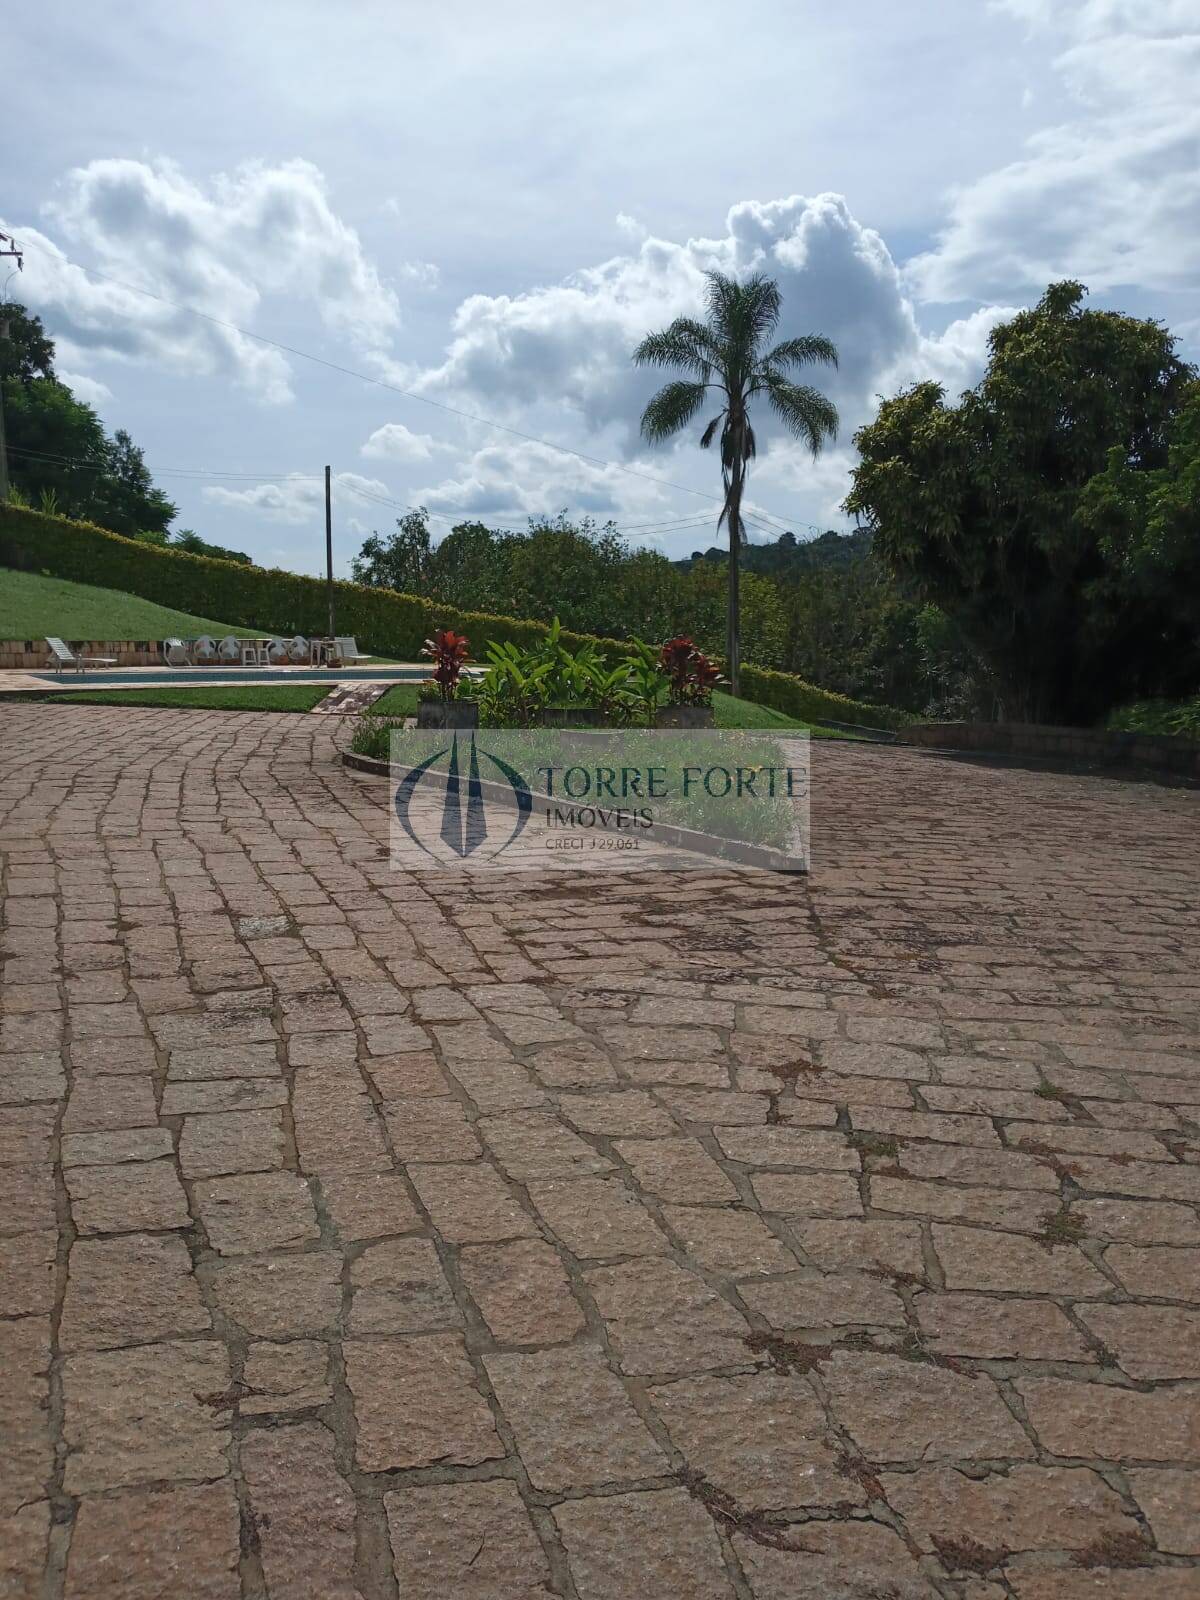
372,736
1177,718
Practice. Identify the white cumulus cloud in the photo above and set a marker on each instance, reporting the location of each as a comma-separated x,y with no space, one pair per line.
224,247
1111,195
299,498
395,442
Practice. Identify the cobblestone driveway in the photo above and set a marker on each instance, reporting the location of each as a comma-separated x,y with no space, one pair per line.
664,1239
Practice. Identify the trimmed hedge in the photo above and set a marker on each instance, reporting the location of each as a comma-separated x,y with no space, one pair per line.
383,622
804,701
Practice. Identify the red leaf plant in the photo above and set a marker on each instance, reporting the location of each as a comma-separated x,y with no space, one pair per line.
693,676
449,652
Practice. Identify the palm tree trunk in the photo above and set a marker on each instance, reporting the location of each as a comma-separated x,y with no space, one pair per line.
733,632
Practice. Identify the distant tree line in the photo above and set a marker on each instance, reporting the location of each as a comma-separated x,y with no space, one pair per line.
62,461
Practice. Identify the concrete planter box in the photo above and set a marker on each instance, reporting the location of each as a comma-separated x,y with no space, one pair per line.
573,717
684,717
447,714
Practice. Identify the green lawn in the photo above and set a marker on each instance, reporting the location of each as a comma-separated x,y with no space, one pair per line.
398,701
240,697
32,606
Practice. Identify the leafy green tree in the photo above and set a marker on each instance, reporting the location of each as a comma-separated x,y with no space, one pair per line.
401,561
59,454
725,354
984,508
26,350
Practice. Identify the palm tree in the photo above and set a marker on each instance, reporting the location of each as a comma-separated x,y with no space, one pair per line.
724,352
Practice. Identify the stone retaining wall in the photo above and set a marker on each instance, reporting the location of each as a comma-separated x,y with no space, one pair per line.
1090,745
33,655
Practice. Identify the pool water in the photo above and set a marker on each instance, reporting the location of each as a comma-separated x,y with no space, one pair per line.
143,677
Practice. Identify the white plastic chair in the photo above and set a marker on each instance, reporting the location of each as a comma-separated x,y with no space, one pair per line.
230,648
204,648
278,652
298,650
175,652
62,657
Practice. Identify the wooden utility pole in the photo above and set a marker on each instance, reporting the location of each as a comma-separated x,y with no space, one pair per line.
329,551
8,247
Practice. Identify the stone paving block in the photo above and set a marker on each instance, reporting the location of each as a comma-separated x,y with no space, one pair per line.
470,1203
231,1141
284,1296
398,1286
369,1205
305,1512
788,1147
1170,1501
430,1130
23,1550
662,1319
1148,1341
1139,1221
405,1076
803,1194
132,1198
1165,1273
1126,1583
836,1561
522,1291
824,1300
115,1146
470,1540
976,1258
28,1455
622,1112
575,1425
537,1144
1111,1423
997,1329
1019,1210
284,1377
27,1272
759,1437
146,1544
206,1062
871,1246
598,1217
141,1415
1026,1508
417,1404
1001,1169
628,1546
223,1094
897,1410
679,1170
27,1199
730,1241
257,1211
100,1103
136,1289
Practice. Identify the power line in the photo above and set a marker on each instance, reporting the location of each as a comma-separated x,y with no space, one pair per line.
408,394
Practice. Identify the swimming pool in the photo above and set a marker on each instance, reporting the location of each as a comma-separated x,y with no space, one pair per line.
150,677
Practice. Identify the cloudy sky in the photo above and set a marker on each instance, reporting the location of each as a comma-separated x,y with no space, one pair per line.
487,206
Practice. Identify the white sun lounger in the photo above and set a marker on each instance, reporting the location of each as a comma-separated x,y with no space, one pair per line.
346,650
62,657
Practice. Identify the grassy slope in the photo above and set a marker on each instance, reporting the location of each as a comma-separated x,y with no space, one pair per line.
32,606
